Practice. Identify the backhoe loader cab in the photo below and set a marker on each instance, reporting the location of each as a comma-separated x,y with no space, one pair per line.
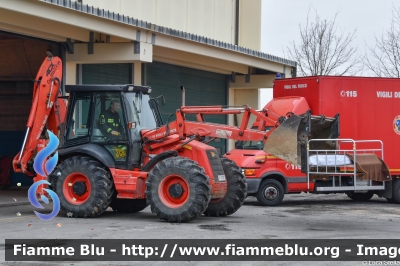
91,122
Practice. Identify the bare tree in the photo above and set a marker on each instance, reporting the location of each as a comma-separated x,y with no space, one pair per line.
384,59
323,49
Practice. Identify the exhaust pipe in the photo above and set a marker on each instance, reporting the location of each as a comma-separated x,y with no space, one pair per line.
183,95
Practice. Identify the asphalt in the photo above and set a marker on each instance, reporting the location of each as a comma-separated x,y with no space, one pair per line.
14,196
300,216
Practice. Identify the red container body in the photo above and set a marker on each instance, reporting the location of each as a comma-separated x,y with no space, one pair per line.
369,108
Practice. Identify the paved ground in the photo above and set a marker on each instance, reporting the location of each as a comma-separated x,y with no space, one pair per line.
13,197
300,216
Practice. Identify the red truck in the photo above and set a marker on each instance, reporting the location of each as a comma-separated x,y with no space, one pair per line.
368,108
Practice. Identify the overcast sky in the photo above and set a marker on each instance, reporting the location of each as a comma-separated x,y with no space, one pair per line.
281,19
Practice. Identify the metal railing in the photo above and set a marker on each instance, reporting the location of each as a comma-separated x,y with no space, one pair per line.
337,168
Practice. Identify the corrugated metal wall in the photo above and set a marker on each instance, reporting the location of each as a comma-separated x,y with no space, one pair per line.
201,88
15,105
106,73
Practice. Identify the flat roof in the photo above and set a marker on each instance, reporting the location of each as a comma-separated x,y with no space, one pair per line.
95,11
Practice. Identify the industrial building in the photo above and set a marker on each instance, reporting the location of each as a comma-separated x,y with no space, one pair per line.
210,47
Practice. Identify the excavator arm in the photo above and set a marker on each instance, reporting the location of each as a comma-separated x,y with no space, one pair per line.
47,113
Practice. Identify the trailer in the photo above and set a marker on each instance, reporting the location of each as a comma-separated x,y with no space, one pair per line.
364,160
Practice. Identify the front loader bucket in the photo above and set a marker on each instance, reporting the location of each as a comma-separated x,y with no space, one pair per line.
282,142
289,140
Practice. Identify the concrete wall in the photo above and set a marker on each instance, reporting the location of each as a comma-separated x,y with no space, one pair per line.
210,18
245,97
250,24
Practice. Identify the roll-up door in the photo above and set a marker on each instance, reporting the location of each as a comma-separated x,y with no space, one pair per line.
201,88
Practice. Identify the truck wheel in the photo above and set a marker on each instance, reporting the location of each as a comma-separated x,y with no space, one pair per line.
270,192
178,190
390,200
235,195
396,191
128,205
360,196
83,186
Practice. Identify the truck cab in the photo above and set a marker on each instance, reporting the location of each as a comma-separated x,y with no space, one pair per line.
269,177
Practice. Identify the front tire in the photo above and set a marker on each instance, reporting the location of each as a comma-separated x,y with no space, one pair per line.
83,186
178,190
270,193
236,191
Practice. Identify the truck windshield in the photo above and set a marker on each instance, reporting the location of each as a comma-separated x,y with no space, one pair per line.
251,144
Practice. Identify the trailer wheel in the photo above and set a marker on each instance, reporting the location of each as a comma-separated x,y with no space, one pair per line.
178,190
83,186
270,193
360,196
128,205
236,191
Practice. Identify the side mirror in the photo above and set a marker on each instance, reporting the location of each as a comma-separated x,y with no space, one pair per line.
131,125
161,97
260,145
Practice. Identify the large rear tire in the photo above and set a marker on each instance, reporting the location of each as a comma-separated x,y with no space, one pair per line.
177,190
360,196
236,192
83,186
128,205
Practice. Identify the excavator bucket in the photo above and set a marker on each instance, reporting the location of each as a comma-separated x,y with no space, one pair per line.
289,140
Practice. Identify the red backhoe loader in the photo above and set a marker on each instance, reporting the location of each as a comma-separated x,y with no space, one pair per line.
167,166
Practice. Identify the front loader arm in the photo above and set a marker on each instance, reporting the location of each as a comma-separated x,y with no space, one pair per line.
47,112
187,129
182,131
284,140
